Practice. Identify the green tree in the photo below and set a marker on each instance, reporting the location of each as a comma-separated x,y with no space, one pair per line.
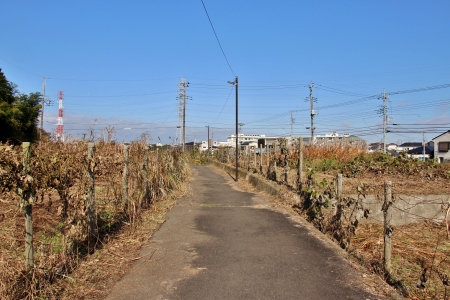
18,113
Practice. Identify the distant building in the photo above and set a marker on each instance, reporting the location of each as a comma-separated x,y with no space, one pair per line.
335,137
419,153
408,146
442,147
373,147
391,147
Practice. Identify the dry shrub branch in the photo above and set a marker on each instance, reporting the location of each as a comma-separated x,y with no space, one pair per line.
67,224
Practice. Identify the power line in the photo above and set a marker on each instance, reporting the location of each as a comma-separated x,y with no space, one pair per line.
223,106
217,38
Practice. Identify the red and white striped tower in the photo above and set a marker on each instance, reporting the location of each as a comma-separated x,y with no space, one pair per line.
60,125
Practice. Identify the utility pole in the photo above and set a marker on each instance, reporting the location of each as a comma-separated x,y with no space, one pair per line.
313,113
423,150
292,121
42,108
384,120
208,137
182,114
235,83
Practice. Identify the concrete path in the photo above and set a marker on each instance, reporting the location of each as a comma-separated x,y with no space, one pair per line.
222,243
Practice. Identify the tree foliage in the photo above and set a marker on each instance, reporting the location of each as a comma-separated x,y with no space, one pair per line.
18,113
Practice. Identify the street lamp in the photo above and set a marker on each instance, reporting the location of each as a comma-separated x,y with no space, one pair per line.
235,83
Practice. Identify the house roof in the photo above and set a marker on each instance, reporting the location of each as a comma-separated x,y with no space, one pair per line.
419,150
448,131
411,145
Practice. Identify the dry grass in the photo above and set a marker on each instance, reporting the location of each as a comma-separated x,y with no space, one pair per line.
61,242
415,247
341,152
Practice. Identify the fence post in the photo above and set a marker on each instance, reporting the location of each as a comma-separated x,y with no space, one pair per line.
90,190
286,165
339,186
260,158
274,161
254,158
387,226
157,163
27,199
267,158
146,173
300,163
125,175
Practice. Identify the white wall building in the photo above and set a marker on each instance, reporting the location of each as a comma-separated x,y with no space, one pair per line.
244,139
442,147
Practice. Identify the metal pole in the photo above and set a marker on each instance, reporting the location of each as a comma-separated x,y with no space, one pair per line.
384,121
311,103
42,109
423,149
184,114
237,150
208,139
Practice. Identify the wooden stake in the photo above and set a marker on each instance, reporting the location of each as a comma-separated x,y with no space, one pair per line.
300,163
90,191
27,199
387,209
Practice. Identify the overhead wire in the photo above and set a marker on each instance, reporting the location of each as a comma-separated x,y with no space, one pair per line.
217,38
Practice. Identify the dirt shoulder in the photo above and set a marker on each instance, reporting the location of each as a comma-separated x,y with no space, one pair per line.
99,272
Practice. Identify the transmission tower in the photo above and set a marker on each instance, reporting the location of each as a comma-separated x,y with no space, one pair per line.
240,127
60,124
44,101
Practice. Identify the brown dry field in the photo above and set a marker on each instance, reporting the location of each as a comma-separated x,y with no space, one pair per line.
97,273
401,184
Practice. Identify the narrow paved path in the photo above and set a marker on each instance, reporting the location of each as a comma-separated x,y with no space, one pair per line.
222,243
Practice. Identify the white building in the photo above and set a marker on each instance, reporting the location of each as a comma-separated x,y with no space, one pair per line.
203,146
335,137
213,144
442,147
244,139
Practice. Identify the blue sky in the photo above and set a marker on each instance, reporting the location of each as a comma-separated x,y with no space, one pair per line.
119,64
